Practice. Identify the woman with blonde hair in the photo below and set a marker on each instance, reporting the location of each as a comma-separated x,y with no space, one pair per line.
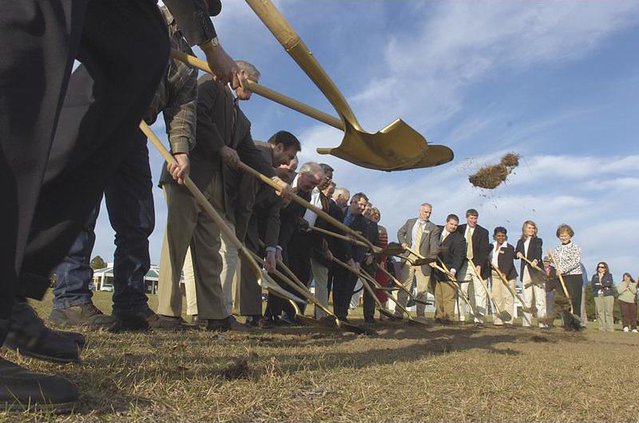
603,294
529,246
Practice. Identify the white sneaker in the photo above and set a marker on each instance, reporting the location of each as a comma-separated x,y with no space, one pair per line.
634,331
625,329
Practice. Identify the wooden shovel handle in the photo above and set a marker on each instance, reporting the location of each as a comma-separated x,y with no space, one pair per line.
295,47
561,280
338,236
533,265
321,213
266,92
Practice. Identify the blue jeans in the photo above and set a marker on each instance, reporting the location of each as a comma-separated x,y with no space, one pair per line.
129,201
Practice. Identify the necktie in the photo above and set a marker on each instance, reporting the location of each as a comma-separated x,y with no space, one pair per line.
418,238
469,243
444,235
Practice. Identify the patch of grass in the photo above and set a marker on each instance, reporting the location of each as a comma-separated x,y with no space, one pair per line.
406,373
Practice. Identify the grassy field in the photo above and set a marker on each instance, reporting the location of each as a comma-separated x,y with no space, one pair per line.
405,373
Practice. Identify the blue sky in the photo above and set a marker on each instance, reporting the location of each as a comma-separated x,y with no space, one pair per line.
556,82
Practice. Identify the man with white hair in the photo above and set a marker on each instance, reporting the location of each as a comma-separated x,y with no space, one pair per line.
341,197
296,242
421,236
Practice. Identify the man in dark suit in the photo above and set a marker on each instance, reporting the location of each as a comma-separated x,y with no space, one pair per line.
452,253
502,257
477,250
257,218
360,258
44,215
295,242
421,236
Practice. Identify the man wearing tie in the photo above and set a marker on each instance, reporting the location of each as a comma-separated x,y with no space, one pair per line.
477,250
421,236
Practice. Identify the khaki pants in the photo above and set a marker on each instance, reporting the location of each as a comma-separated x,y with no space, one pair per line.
503,297
409,272
228,276
536,293
320,275
444,300
478,298
186,226
604,306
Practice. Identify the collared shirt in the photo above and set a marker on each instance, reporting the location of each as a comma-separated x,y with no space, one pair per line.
496,250
444,235
418,226
310,215
176,95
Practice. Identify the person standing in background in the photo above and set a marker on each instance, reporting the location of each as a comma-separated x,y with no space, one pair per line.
628,303
603,294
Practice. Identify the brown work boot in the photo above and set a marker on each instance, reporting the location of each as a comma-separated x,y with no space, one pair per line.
83,315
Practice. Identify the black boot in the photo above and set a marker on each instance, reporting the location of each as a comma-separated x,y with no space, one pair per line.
30,337
21,389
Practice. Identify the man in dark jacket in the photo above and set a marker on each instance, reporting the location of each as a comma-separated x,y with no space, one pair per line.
477,249
452,254
257,218
361,258
223,138
40,41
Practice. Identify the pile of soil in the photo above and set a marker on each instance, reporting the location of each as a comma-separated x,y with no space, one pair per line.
491,176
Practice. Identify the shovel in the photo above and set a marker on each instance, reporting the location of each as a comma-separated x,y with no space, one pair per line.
453,281
318,211
503,315
537,268
373,282
380,307
335,320
402,287
510,288
395,147
303,291
263,279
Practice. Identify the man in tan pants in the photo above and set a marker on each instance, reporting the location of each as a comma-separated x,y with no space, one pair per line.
422,237
223,140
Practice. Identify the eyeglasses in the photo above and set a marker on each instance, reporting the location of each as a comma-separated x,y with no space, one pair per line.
601,267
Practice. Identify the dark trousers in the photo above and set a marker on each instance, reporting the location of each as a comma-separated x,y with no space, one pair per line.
343,286
124,46
129,201
574,286
299,259
629,314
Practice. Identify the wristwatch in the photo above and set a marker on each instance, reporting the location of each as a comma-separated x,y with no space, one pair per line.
215,42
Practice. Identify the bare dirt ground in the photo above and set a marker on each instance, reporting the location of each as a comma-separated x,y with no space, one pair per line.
405,373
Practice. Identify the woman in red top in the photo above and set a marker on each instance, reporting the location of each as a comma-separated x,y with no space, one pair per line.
382,242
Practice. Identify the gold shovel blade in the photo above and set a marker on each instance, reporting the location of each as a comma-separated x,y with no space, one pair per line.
396,147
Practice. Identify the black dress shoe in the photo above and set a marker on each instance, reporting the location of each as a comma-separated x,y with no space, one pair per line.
218,325
21,389
30,337
76,337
